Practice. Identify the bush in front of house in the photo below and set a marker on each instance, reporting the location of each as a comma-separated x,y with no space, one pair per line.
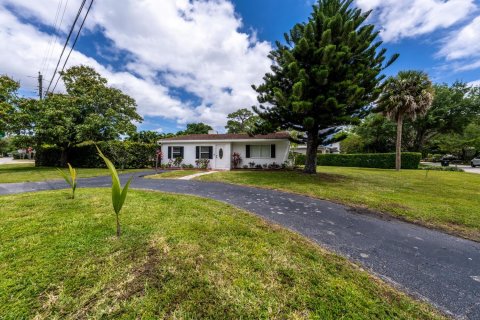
410,160
236,160
202,163
124,155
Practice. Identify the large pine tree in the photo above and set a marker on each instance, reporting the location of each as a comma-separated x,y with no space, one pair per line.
325,75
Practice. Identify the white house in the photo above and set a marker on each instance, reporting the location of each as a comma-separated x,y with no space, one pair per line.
331,148
219,148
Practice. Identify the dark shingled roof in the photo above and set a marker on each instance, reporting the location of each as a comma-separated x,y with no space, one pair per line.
228,136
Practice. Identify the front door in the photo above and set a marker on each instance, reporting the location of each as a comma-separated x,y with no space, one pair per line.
221,157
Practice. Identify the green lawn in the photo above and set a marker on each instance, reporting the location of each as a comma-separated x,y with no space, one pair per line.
446,200
174,174
179,257
27,172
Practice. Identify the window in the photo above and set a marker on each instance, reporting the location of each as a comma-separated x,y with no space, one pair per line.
176,152
260,151
204,152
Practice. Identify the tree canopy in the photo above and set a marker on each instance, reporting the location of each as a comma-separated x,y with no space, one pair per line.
242,121
195,128
90,110
324,76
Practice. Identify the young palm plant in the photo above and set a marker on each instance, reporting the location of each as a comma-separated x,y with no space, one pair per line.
71,180
408,95
118,194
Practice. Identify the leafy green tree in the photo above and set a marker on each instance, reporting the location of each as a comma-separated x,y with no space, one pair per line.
241,121
408,95
146,136
452,110
5,146
324,77
377,133
89,111
353,143
464,145
8,100
195,128
16,113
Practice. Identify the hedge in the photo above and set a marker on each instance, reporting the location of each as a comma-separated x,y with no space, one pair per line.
410,160
125,155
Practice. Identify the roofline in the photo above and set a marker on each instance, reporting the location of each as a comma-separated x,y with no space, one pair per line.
222,140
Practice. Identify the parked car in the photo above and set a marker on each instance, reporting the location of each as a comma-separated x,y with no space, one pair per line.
475,162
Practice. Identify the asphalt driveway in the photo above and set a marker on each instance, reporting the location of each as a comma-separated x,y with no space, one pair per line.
442,269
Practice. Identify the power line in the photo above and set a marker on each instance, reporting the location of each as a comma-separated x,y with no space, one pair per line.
74,43
47,49
66,43
57,30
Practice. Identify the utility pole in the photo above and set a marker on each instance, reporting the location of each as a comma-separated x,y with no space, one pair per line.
40,85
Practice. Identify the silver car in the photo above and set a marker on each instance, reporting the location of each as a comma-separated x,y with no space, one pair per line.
475,162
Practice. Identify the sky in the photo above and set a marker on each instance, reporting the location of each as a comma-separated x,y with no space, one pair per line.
195,60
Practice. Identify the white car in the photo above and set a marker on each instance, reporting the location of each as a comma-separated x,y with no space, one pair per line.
475,162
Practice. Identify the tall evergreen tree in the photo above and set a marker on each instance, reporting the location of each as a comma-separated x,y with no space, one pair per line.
324,76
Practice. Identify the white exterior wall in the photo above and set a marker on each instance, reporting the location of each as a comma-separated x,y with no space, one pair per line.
282,148
189,151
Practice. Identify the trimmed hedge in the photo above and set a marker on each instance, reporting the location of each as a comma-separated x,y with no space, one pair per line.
124,155
410,160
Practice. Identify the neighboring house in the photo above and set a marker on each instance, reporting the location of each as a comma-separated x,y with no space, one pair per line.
331,148
219,148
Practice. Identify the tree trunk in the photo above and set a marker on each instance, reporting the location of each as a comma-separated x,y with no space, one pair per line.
118,227
398,156
311,156
63,158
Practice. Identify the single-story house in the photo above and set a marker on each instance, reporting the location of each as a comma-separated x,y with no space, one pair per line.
219,148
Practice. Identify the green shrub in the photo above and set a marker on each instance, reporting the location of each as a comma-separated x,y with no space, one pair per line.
435,168
300,159
410,160
124,155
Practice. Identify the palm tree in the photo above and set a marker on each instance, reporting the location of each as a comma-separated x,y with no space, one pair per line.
408,95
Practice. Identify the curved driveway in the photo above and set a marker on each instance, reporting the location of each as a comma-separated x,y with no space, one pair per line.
443,269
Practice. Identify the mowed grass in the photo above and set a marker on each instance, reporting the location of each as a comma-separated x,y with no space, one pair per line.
179,257
27,172
446,200
173,174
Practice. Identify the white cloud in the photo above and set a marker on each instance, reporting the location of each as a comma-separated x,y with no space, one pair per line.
463,46
409,18
20,43
196,46
475,83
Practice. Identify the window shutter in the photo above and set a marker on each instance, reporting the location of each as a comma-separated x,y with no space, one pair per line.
181,152
210,152
247,151
272,151
169,152
197,152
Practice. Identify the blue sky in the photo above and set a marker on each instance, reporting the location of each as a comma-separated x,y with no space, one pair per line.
188,61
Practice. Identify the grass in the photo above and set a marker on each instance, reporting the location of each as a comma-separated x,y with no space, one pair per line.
27,172
174,174
449,201
179,257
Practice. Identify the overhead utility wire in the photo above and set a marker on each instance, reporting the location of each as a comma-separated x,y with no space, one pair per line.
74,43
65,45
